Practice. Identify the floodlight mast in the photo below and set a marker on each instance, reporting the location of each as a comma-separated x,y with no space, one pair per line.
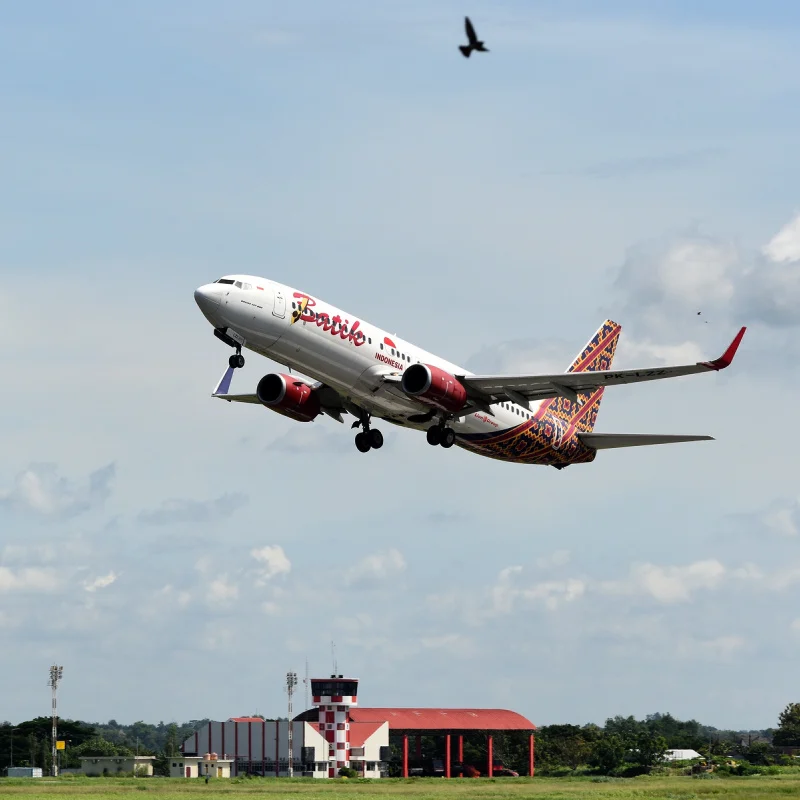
291,682
56,674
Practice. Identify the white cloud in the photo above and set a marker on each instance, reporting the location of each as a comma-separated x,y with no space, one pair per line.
221,591
270,609
28,580
785,245
41,490
375,568
795,626
784,518
100,582
669,584
273,562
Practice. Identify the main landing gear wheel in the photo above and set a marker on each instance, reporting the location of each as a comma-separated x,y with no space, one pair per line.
438,434
236,361
375,438
363,442
448,438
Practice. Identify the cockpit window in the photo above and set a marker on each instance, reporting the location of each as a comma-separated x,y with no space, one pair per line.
238,284
224,280
246,286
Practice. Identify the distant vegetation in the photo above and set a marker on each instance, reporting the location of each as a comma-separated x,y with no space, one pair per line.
624,746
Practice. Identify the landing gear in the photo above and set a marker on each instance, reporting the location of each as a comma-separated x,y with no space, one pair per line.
362,442
236,361
439,434
369,438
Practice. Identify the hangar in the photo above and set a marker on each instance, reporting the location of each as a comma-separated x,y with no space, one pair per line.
337,733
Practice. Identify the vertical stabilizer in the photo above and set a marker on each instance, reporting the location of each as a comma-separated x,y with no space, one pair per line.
596,355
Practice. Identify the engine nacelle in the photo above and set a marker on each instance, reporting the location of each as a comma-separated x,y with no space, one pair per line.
434,387
288,396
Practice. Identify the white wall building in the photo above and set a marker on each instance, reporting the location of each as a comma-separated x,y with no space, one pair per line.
261,747
112,765
199,767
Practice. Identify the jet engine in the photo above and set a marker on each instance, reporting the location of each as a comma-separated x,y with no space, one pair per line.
434,387
288,396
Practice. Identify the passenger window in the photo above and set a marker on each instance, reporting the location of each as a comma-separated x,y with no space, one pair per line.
370,340
381,345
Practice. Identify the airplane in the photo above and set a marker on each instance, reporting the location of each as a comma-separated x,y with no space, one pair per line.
356,368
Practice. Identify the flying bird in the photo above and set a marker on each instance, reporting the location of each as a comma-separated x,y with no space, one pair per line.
474,42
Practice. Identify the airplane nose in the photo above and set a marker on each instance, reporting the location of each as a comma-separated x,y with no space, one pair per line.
207,297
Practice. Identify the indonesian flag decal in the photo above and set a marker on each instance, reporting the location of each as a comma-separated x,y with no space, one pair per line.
387,340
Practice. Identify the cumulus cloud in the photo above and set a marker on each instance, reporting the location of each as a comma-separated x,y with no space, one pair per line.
272,561
101,582
673,584
375,568
785,245
221,590
783,518
172,512
664,283
28,580
40,489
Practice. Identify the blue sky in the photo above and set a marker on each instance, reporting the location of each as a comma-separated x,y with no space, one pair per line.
179,555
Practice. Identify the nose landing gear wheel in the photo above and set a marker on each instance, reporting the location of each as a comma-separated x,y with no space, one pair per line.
448,437
236,361
362,442
375,438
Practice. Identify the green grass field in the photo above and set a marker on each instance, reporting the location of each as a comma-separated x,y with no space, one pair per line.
644,788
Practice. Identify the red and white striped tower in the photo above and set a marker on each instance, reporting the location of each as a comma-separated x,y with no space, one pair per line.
334,697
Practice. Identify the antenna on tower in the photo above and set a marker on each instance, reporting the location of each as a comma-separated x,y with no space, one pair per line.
291,682
306,682
56,673
333,657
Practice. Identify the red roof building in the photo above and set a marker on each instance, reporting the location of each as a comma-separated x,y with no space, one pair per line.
446,721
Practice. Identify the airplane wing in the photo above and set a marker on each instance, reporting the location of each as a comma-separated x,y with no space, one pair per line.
330,402
522,389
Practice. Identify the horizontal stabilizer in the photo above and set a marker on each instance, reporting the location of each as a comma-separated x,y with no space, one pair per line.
607,441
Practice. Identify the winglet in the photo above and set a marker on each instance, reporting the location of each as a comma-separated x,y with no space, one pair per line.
224,383
726,358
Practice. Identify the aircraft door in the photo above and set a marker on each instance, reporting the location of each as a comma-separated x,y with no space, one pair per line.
279,307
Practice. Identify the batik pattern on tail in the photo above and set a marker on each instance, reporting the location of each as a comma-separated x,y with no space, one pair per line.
550,437
597,355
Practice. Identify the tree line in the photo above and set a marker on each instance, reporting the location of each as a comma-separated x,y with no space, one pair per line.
623,746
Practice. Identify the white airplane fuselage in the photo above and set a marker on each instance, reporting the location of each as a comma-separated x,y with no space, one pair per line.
337,348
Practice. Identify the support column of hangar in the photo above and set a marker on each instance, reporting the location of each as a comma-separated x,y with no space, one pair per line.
334,697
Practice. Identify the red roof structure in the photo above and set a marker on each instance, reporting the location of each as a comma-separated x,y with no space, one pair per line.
444,719
246,719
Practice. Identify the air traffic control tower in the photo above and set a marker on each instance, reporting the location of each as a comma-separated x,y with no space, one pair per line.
334,697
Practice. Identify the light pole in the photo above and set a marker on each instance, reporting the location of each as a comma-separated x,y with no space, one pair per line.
55,676
291,682
12,748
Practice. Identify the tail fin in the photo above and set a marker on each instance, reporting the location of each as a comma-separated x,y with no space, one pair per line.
465,50
596,355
